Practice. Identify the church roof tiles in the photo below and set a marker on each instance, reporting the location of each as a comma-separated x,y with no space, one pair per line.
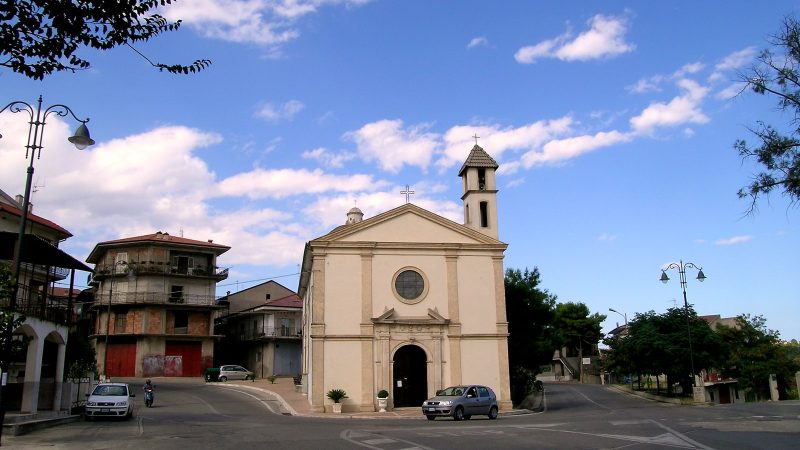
478,158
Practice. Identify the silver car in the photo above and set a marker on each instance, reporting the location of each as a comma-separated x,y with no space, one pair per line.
232,372
461,402
110,400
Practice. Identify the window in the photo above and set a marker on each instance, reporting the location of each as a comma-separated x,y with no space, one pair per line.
410,286
181,264
181,322
484,214
121,322
286,327
176,294
483,392
481,179
120,258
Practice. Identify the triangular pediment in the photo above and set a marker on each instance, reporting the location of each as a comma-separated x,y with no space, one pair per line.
409,223
390,316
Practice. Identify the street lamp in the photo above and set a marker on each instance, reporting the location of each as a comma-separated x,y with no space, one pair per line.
681,266
624,316
81,139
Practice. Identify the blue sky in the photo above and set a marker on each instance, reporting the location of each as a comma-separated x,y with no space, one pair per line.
613,123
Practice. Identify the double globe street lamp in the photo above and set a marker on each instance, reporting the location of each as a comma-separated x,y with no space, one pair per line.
681,267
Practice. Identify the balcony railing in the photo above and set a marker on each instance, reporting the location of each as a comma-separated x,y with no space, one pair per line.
54,309
160,268
269,333
157,298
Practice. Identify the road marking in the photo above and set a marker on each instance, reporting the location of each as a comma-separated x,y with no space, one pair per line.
208,405
374,441
682,436
263,402
590,400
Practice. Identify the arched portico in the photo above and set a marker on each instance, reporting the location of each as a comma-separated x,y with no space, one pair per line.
43,335
409,376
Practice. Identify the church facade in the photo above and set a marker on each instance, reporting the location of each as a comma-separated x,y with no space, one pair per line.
408,301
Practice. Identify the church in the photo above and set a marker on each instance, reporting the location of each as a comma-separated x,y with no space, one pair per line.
408,301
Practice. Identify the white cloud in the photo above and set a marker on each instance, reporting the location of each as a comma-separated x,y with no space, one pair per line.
327,158
733,61
458,140
604,38
560,150
731,91
331,211
605,237
479,41
644,85
688,69
274,113
734,240
680,110
268,23
736,59
282,183
393,146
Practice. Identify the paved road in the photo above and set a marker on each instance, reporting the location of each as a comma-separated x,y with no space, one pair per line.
194,415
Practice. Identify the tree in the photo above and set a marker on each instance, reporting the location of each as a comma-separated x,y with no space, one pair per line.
41,37
753,352
576,327
530,333
659,344
778,151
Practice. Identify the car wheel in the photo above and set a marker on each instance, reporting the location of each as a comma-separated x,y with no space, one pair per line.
223,379
458,414
431,417
493,413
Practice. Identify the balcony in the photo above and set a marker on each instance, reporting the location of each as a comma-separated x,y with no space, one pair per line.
154,298
30,304
269,333
145,268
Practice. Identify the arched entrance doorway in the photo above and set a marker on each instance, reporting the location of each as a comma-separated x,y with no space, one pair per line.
410,376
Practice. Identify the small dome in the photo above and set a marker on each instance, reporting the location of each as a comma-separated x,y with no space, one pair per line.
354,215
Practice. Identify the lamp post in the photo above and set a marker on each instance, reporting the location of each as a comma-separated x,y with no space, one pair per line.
681,266
81,139
624,316
38,118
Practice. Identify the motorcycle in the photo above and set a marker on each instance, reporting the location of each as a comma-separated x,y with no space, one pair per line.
148,398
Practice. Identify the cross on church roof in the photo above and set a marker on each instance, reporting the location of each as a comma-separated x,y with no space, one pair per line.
408,192
476,138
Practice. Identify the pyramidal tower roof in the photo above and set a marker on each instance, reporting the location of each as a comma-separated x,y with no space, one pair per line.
478,158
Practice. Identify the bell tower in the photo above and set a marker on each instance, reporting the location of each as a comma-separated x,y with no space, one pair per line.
480,192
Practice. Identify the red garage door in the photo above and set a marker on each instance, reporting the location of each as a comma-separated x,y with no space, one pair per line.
190,359
121,360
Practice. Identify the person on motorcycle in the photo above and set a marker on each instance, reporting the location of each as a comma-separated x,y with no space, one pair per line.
148,393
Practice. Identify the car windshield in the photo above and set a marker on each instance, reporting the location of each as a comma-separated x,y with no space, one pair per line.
454,391
110,390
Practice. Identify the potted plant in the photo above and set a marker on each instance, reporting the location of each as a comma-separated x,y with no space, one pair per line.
337,395
383,399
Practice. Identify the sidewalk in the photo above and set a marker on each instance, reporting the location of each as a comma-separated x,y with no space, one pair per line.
296,403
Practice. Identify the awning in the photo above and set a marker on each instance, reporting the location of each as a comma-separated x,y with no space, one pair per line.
36,250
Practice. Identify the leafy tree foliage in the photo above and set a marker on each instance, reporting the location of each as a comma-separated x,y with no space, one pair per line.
753,352
659,344
778,75
41,37
577,329
530,317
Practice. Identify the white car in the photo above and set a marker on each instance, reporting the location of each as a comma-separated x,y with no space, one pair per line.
110,400
232,372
